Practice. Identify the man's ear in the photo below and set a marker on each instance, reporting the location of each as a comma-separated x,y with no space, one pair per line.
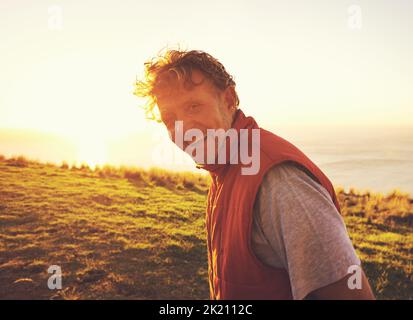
229,96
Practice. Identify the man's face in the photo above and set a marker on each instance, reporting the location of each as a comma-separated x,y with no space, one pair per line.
202,107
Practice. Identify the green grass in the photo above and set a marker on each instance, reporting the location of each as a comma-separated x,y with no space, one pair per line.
127,233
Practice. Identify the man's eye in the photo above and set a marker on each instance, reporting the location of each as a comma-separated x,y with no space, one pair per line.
194,107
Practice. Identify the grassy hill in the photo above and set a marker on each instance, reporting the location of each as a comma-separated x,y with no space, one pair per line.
127,233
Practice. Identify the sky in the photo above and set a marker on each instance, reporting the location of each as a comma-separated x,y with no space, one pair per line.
68,67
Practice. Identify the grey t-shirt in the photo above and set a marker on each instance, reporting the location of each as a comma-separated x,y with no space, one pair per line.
297,227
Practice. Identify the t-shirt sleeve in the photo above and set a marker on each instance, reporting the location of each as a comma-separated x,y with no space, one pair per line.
304,229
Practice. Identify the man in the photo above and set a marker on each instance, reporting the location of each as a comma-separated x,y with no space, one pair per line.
274,234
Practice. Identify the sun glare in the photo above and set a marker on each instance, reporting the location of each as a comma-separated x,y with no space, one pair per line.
91,151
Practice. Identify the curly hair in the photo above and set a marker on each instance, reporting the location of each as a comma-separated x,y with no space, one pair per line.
179,64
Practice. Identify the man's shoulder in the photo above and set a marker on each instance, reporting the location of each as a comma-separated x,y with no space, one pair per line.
287,170
287,177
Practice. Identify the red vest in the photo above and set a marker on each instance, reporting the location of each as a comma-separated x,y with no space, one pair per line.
234,271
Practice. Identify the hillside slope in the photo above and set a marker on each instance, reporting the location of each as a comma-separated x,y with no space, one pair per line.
120,233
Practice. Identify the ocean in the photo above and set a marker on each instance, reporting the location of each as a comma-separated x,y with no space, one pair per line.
377,159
